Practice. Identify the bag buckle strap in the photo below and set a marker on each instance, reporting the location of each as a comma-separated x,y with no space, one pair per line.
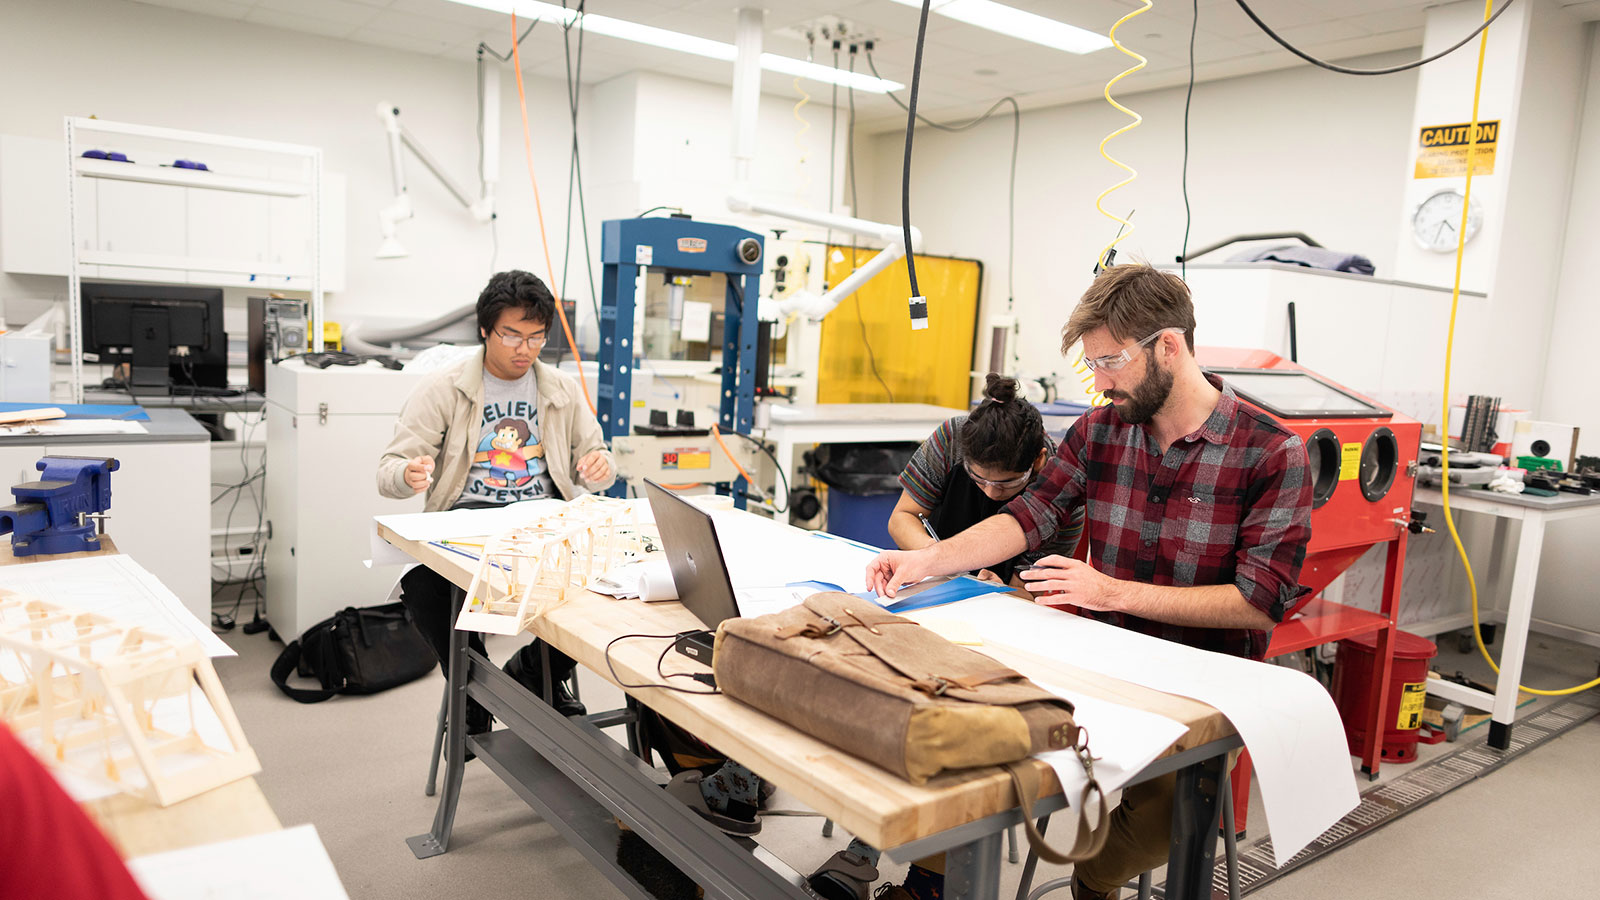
811,629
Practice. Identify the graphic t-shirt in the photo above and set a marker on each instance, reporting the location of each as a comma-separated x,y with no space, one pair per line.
509,464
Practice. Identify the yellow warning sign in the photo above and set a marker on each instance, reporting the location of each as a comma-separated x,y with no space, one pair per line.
1349,461
686,458
1442,149
1412,696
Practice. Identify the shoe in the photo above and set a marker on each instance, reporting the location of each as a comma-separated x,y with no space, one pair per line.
892,892
1082,892
739,819
525,667
565,703
845,876
654,872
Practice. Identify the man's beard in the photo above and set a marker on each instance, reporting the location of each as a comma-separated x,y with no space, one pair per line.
1147,399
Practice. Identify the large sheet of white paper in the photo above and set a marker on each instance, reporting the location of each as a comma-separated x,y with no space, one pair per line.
765,553
1123,740
116,587
288,863
1286,718
457,523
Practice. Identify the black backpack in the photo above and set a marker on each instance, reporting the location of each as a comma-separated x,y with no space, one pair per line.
357,651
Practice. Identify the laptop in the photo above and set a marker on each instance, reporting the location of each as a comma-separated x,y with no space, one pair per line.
695,556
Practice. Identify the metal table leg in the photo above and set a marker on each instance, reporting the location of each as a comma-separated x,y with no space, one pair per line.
1195,811
437,840
972,870
1519,610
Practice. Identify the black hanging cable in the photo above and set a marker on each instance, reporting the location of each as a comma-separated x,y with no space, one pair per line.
507,58
833,146
919,306
1390,70
1011,190
575,163
855,210
1188,214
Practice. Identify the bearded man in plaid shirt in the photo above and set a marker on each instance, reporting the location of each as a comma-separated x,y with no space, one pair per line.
1199,510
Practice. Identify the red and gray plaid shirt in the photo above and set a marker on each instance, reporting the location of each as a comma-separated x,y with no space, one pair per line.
1228,504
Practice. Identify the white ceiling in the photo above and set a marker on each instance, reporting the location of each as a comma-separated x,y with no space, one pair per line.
964,68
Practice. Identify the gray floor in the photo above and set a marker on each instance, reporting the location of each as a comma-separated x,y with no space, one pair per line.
354,768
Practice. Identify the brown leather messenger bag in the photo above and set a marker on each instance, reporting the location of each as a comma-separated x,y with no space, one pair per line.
896,694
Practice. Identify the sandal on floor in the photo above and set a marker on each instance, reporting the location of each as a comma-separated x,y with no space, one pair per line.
845,876
686,787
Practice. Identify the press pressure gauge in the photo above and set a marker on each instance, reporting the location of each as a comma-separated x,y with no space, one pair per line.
1436,222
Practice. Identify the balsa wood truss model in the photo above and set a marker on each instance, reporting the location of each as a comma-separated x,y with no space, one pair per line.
117,704
527,571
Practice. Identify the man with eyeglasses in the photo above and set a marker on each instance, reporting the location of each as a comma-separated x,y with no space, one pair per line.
1199,511
497,428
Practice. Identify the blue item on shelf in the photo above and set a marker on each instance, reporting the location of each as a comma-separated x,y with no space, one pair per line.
86,410
111,156
190,164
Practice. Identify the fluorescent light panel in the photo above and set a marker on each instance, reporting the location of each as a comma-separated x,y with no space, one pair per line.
1013,22
684,43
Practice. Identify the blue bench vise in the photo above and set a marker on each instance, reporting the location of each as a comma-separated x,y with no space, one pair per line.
59,512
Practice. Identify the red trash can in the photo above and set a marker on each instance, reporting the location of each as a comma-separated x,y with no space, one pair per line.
1408,688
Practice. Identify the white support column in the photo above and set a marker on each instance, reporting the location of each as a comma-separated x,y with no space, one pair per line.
746,92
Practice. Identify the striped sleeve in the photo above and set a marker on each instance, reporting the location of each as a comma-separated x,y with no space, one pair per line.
925,475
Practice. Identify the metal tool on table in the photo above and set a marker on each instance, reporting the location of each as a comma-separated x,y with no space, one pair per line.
62,511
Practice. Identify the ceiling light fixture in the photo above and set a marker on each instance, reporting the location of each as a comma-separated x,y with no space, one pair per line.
1013,22
684,43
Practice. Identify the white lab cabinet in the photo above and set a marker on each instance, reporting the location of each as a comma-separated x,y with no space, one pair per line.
326,429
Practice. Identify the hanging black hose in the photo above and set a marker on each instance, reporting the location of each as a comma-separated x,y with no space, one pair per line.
1390,70
919,304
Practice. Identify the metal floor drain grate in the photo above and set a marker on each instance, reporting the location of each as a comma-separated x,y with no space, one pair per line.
1422,785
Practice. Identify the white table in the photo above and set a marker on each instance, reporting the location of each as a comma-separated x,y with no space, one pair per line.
848,423
1533,513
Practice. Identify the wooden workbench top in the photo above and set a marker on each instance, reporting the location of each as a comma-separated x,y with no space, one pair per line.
138,827
881,808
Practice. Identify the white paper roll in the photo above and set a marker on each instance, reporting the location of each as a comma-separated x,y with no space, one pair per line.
655,582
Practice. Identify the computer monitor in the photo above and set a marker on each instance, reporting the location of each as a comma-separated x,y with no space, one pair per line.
167,334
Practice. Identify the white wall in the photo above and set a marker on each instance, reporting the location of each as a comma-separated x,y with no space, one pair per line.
1568,573
1295,150
158,66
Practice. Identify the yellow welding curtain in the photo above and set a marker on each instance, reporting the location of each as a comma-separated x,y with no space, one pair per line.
928,366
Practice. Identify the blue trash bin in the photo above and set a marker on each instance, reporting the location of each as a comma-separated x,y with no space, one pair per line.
863,486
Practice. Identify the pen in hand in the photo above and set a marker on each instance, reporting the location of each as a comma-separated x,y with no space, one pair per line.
928,527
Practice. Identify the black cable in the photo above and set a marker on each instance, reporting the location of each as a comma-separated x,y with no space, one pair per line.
738,291
1011,190
575,164
855,210
1390,70
507,58
833,150
905,172
1188,214
660,660
774,457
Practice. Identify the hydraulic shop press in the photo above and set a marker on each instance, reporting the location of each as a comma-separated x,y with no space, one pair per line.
678,247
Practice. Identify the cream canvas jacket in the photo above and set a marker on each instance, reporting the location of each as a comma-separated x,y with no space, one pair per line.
441,419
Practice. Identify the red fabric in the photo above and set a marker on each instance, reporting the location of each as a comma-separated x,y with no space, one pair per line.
1228,504
49,848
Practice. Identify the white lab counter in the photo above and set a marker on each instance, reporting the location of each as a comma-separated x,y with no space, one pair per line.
160,496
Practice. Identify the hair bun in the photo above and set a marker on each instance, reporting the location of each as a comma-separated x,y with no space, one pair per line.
999,388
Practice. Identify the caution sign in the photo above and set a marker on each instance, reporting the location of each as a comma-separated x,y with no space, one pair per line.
1412,696
1349,461
1442,149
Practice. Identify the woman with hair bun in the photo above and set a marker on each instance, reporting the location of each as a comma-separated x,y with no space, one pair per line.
967,471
